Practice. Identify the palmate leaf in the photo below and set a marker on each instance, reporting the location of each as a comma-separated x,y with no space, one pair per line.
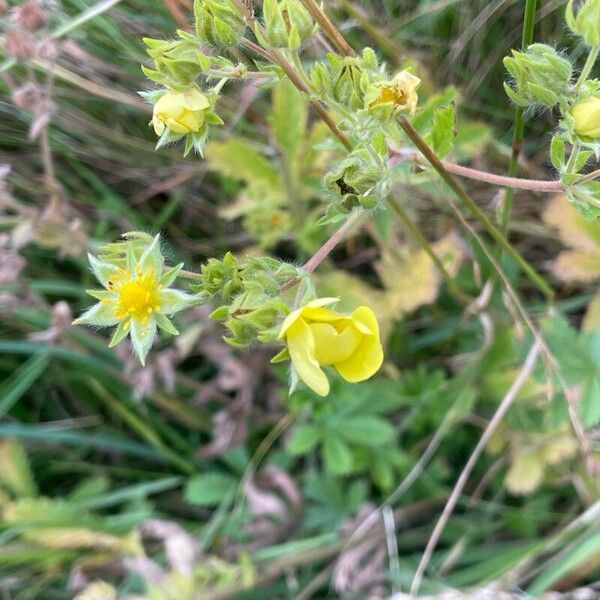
442,132
237,159
578,357
411,279
288,119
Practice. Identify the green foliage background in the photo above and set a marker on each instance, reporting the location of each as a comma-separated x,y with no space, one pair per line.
92,447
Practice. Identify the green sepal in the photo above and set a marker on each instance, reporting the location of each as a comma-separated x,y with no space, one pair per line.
120,333
281,356
165,324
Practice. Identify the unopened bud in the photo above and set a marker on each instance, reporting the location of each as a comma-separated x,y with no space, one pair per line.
287,23
218,22
541,76
586,117
586,23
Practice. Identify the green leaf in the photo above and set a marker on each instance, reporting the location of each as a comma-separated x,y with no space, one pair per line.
15,474
19,382
589,402
577,554
209,489
235,158
304,439
442,132
557,153
365,430
288,119
337,455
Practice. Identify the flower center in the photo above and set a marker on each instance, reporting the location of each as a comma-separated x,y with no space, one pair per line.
138,298
333,346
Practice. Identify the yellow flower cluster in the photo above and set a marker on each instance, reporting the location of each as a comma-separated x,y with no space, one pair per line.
317,337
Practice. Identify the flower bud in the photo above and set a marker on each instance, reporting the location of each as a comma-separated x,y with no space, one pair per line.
357,181
396,95
345,79
179,59
222,277
586,117
180,112
587,21
541,76
287,24
218,22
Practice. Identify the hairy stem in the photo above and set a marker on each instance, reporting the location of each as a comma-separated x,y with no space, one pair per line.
493,231
334,34
517,142
323,252
328,27
535,185
588,66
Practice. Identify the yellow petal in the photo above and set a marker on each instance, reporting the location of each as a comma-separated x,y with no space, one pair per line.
175,126
192,121
368,357
332,346
170,103
301,345
323,315
296,314
158,125
195,100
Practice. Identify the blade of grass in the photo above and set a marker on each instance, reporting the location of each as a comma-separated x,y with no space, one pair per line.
19,382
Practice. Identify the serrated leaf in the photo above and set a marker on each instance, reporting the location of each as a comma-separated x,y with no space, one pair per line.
209,489
337,455
15,472
442,131
237,159
557,153
304,439
288,119
411,279
589,402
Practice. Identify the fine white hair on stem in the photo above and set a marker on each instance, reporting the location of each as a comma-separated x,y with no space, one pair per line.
503,407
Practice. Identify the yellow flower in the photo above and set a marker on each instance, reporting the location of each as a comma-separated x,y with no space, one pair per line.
400,91
318,337
180,112
586,115
136,297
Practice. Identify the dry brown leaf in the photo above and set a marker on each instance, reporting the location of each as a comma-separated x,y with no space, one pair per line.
591,321
411,278
577,265
573,229
526,472
559,448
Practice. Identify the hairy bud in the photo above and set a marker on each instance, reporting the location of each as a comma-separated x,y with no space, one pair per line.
218,22
586,23
287,24
541,76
